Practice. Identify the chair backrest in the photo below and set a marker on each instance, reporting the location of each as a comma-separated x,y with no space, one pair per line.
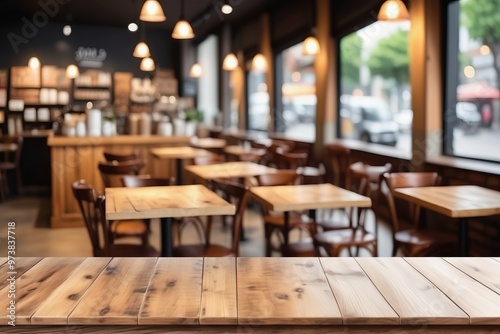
120,157
112,171
134,181
208,159
86,197
407,180
291,160
11,148
337,162
237,194
280,178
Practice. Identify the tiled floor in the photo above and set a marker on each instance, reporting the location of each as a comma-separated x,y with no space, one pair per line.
34,237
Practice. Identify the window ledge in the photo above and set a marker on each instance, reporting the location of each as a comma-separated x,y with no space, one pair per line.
465,164
377,149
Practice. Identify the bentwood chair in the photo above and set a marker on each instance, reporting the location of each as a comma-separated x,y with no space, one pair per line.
275,223
366,179
415,241
237,194
119,157
93,211
112,173
10,150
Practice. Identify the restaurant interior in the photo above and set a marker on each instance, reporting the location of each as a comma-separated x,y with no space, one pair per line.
344,151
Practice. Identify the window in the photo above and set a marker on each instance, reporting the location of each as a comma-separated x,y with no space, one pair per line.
296,114
472,120
375,96
258,101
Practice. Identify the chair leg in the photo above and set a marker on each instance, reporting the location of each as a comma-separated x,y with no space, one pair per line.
19,182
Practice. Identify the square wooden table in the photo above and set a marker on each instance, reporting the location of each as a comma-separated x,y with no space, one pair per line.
236,169
460,202
208,143
179,153
307,197
164,203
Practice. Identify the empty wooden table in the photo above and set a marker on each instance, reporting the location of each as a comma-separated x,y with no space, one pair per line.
460,202
307,197
179,154
236,169
164,203
253,295
211,144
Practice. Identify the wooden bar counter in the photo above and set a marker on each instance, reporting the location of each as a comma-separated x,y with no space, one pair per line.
252,295
75,158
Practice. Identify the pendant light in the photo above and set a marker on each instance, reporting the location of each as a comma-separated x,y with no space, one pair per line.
182,29
259,63
147,64
72,71
230,62
195,71
310,46
226,8
393,10
34,63
141,50
152,12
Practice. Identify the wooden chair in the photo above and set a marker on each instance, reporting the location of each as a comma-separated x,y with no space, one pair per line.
209,160
10,150
366,179
112,173
120,157
414,241
336,161
298,161
145,180
93,211
274,223
239,195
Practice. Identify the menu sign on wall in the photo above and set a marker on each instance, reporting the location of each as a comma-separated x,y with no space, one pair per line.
90,57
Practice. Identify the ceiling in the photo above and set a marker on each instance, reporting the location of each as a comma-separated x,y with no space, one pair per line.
204,15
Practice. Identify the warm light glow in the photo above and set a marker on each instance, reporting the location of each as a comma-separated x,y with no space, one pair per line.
132,27
469,72
310,46
67,30
89,105
484,50
393,10
296,76
72,71
152,12
226,9
147,64
259,63
195,71
34,63
182,30
141,50
230,62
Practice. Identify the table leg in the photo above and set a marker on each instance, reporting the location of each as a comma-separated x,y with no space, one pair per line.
179,170
286,217
464,236
166,237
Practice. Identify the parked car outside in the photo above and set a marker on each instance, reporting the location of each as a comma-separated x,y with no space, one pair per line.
469,118
404,118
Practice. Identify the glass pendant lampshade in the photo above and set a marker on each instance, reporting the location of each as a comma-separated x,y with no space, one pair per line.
34,63
310,46
195,71
393,10
152,12
141,50
230,62
147,65
259,63
226,8
72,71
182,30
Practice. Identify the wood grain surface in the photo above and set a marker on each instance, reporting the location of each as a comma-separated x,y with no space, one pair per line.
310,196
169,201
207,143
21,265
454,201
181,152
235,169
284,291
174,296
484,270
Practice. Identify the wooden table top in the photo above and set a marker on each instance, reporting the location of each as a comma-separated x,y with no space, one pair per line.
241,150
454,201
309,196
373,292
160,202
180,152
229,170
208,142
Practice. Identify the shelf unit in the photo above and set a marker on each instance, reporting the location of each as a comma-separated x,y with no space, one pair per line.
93,85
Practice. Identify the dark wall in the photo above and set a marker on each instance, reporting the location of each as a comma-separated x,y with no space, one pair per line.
53,48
